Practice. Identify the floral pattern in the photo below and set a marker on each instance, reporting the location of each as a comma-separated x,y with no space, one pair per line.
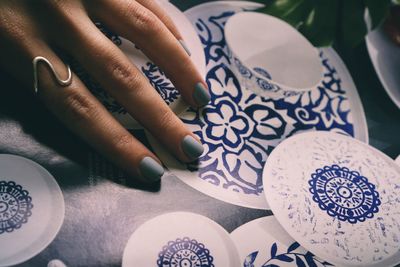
344,194
239,128
290,257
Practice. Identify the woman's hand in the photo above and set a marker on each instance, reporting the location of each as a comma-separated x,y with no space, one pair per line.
39,28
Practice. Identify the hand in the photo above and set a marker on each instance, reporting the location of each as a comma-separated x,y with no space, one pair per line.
39,28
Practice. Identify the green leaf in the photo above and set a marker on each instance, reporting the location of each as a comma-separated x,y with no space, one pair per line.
292,11
320,26
378,10
352,24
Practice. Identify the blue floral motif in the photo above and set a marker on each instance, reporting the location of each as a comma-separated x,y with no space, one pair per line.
159,81
239,129
262,72
185,252
15,206
292,256
344,194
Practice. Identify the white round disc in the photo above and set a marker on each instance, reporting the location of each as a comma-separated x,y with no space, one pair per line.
31,209
180,239
336,196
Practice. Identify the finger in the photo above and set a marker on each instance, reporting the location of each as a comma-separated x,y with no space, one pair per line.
80,111
124,82
146,30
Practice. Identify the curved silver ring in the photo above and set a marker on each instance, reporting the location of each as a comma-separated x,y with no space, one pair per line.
61,82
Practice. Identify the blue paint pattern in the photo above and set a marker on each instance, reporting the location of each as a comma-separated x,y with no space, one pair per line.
185,252
15,206
344,194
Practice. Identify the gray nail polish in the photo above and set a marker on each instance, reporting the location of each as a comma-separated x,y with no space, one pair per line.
192,148
183,44
151,169
201,95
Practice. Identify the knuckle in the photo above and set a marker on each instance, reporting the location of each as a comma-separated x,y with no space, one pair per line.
78,107
123,141
168,121
124,74
146,22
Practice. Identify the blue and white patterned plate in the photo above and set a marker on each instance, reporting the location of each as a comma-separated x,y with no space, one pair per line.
264,243
239,129
31,209
180,239
337,197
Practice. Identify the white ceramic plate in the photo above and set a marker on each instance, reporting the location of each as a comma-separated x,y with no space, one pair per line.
385,57
263,242
337,197
180,239
239,129
31,209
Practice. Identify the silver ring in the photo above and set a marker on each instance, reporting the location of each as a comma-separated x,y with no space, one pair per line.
61,82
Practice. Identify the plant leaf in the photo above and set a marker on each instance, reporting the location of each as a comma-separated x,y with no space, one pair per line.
352,24
300,262
378,10
284,258
248,262
293,246
292,11
320,25
274,248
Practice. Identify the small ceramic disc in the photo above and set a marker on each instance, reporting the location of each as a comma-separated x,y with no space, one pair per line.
337,197
180,239
31,209
263,242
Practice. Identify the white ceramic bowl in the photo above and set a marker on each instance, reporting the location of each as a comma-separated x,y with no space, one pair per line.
270,57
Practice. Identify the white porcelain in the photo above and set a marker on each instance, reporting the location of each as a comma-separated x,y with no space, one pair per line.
31,209
263,242
337,197
180,239
239,129
271,57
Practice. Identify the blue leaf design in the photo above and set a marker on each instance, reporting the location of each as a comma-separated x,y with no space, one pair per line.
300,262
293,246
284,258
274,248
248,262
271,265
310,259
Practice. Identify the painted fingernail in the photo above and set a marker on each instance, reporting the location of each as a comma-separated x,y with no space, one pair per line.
192,148
151,169
201,95
183,44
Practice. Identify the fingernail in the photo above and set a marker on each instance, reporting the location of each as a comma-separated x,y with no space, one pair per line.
201,95
192,148
183,44
151,169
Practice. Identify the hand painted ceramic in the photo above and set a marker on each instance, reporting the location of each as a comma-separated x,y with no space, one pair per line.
270,57
264,243
239,129
180,239
337,197
31,209
154,74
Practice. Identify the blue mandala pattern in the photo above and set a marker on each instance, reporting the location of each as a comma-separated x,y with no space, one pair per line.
344,194
15,206
239,129
185,252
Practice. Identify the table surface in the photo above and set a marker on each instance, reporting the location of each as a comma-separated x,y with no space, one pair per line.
96,193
